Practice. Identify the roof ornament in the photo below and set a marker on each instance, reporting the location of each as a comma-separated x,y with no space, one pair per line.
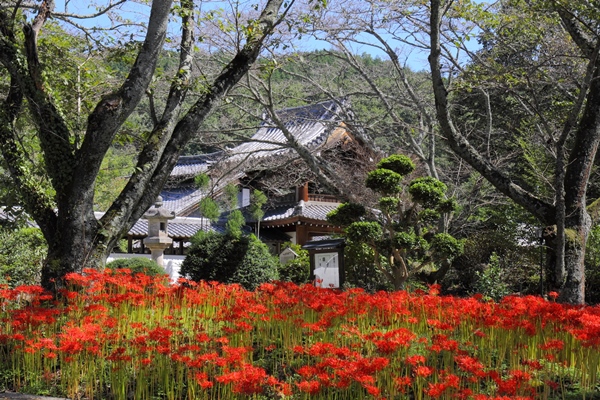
299,209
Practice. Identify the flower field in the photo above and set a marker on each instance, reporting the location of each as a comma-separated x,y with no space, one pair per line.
114,336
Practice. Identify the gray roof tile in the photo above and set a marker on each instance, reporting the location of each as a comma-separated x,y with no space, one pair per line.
311,125
311,210
178,228
190,166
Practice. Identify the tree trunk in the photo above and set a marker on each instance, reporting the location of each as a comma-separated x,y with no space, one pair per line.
577,230
77,243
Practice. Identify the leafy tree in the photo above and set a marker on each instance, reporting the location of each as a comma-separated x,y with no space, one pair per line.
229,259
71,160
235,223
209,209
22,254
402,231
257,201
572,134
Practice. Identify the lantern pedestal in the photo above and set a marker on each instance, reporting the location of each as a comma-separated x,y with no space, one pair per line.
158,235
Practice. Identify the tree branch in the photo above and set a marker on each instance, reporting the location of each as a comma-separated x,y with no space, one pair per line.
52,129
36,202
542,210
139,193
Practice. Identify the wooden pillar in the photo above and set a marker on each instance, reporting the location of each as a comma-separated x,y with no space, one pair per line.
301,234
304,192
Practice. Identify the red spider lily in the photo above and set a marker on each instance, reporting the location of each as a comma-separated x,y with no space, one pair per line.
310,387
415,360
471,365
440,342
403,383
423,371
350,341
553,344
248,380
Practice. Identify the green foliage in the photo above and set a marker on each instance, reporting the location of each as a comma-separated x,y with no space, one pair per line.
519,265
402,234
137,265
448,206
384,181
229,259
22,254
361,270
231,195
202,181
364,231
405,240
429,216
398,163
427,191
257,201
209,209
235,223
490,282
298,269
446,246
346,214
389,204
257,266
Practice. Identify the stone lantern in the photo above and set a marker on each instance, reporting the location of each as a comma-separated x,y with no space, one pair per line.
158,239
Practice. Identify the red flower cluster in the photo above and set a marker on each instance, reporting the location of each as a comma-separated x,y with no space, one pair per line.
123,335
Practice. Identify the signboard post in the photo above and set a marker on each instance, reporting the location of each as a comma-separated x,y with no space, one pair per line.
327,262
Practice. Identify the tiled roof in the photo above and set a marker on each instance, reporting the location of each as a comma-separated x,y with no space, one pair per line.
181,199
178,228
312,210
190,166
310,125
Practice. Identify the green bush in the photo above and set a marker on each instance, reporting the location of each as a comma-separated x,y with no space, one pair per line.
229,259
298,269
346,214
398,163
427,191
22,254
384,181
137,265
361,270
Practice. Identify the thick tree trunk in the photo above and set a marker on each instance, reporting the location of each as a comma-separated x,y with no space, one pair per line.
577,230
77,243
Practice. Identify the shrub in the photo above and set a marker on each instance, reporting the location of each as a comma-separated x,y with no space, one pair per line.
298,269
346,214
398,163
384,181
22,254
229,259
137,265
361,270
